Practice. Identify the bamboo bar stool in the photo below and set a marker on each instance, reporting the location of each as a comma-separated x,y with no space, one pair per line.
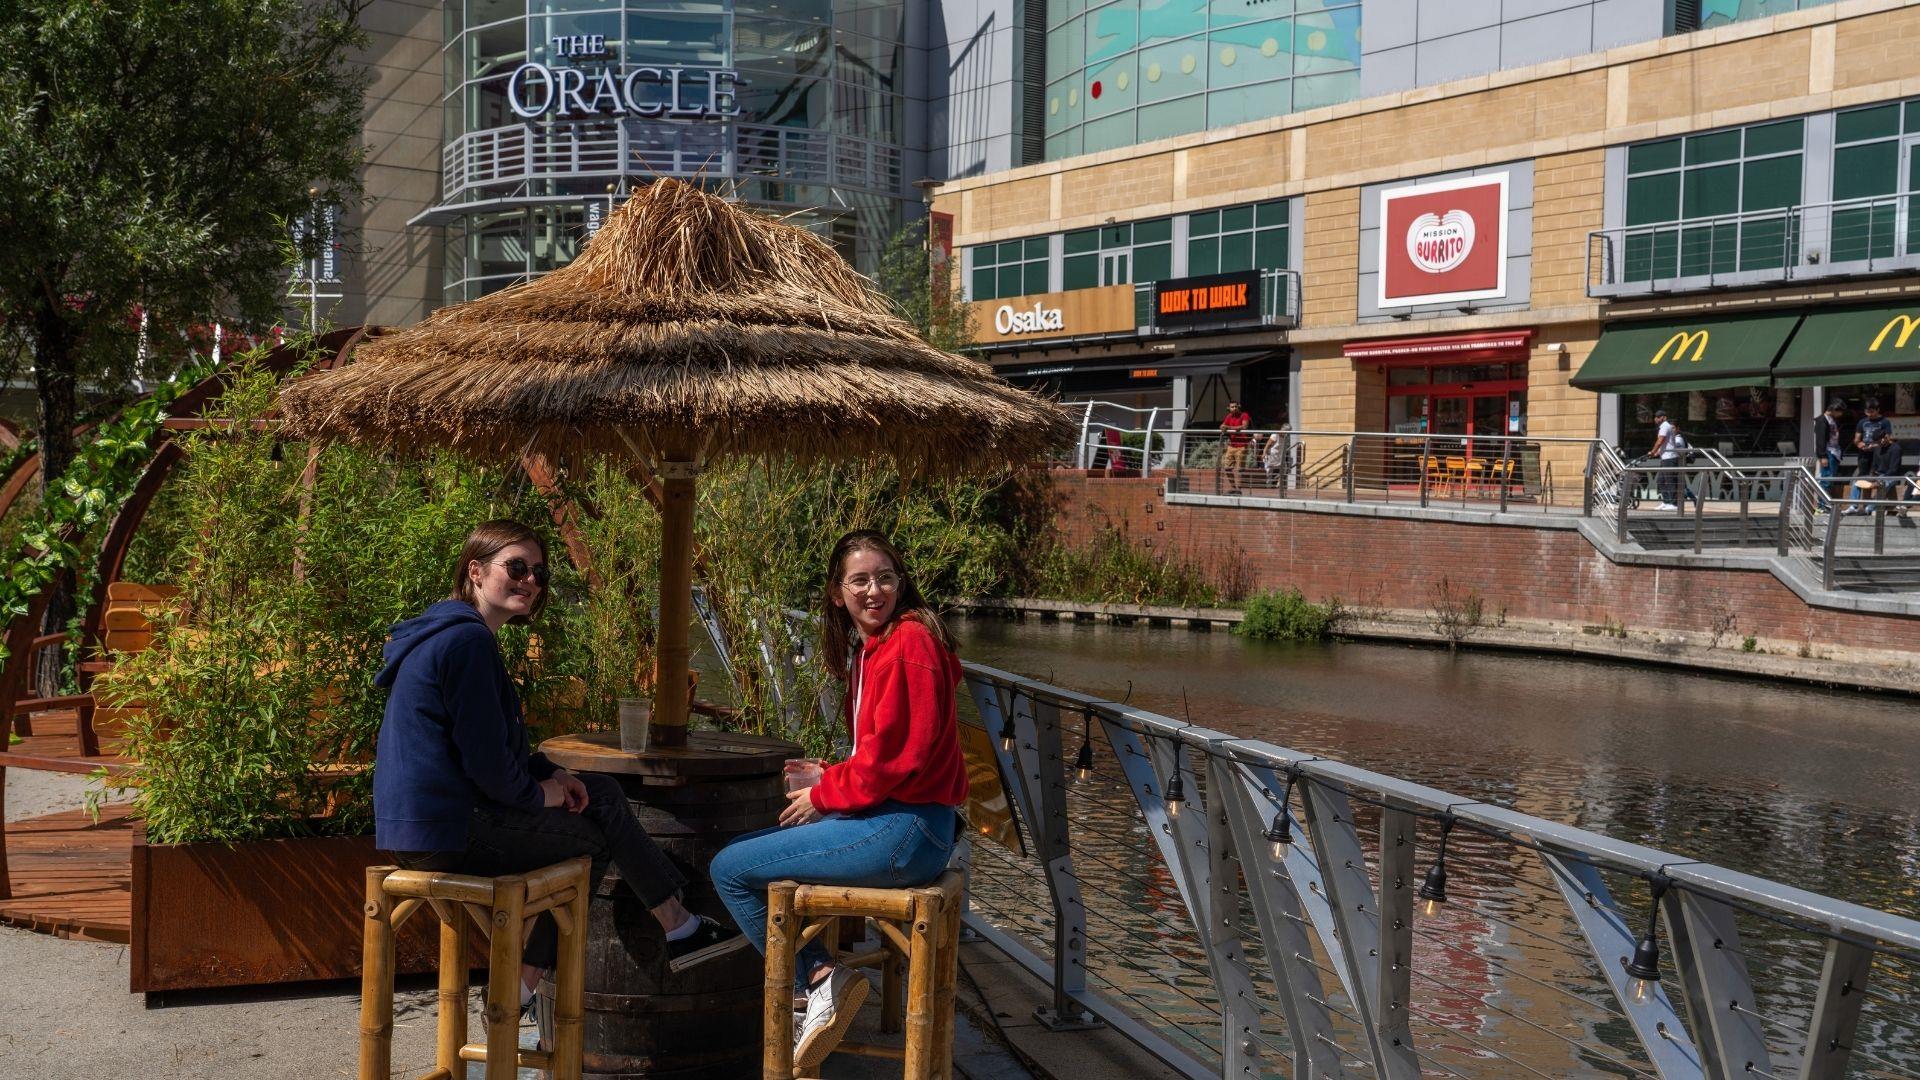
919,929
503,908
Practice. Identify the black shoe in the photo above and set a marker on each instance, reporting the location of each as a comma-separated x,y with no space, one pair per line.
709,941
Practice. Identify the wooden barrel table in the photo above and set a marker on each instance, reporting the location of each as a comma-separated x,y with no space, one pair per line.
641,1019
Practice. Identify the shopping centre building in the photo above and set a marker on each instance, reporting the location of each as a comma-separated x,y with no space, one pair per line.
1488,235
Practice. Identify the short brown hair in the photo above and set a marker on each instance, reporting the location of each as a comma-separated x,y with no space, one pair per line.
483,543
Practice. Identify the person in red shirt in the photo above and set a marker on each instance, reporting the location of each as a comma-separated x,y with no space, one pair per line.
887,816
1234,457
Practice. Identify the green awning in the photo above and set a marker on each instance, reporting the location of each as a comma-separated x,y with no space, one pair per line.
1849,346
1686,354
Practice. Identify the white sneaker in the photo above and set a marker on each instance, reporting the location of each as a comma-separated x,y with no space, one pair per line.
1666,506
831,1006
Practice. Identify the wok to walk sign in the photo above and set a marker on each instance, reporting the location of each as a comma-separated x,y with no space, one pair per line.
1444,242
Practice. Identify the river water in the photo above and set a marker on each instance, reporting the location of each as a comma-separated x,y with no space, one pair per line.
1812,787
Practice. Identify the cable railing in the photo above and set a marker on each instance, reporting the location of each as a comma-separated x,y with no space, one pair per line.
1241,909
1756,505
1802,242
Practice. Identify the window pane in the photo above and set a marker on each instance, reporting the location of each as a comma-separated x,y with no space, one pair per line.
1711,191
1236,252
1771,182
1165,20
1653,198
1175,70
1010,281
1036,277
1170,118
1153,262
1112,30
1774,138
1203,257
1066,48
1113,236
1084,240
1647,157
1111,86
1328,41
1080,272
1272,213
1009,252
1037,248
1875,123
1238,217
1719,146
1913,116
983,284
1270,249
1314,91
1203,224
1157,231
1867,169
1257,52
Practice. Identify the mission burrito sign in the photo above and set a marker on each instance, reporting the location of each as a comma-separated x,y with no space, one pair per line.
1443,242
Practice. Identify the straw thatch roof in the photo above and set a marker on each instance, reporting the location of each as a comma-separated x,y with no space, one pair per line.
688,323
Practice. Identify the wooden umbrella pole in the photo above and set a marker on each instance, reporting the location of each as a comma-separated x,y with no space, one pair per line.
674,655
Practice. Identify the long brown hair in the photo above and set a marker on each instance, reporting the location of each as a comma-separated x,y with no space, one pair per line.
483,543
836,626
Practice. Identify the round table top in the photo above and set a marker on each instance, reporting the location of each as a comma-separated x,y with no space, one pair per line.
707,753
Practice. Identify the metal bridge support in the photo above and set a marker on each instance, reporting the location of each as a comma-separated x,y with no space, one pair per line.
1356,914
1836,1011
1396,929
1662,1034
1713,974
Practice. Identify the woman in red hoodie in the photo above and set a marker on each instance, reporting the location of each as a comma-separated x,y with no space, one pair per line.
885,817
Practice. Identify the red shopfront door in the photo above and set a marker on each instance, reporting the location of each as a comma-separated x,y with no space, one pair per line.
1473,413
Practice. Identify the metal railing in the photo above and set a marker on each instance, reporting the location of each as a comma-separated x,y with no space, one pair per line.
1788,495
520,152
1491,472
1279,302
1878,508
1803,242
1240,909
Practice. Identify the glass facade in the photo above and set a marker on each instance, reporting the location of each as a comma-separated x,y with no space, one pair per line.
821,130
1721,12
1132,71
1876,167
1701,204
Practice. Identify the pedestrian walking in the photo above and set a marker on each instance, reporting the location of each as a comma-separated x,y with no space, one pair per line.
1670,447
1829,440
1233,459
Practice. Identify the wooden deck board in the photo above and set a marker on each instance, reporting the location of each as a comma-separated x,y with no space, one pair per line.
72,877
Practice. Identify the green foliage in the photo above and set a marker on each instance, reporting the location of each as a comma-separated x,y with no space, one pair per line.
1749,644
1116,569
87,496
906,275
260,710
1288,616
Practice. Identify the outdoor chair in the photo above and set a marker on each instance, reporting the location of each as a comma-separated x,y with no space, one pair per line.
1456,474
918,929
501,907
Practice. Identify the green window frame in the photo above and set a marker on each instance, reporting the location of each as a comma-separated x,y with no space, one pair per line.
1251,237
1698,204
1876,163
1009,268
1132,253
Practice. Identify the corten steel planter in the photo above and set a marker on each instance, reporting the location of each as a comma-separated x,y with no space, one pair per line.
260,912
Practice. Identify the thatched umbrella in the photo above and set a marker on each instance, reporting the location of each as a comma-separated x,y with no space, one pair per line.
689,328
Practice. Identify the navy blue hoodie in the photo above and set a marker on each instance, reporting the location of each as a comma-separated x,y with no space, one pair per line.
452,737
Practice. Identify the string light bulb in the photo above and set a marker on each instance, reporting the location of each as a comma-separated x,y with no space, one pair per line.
1280,833
1176,787
1083,763
1643,970
1006,734
1433,891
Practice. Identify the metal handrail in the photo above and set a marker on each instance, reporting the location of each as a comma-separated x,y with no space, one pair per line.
1878,507
1797,242
1329,896
1799,500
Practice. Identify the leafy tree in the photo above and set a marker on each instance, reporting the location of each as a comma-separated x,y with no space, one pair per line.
906,275
153,155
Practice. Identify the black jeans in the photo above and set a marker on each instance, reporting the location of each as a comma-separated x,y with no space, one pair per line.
503,840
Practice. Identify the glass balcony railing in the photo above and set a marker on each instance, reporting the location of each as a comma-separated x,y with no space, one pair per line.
1852,238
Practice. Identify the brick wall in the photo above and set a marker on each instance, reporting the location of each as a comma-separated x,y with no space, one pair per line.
1527,573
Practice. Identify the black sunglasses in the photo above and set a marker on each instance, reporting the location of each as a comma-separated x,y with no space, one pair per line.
517,570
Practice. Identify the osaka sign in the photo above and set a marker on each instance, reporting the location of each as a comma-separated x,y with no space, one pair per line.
1199,301
1443,242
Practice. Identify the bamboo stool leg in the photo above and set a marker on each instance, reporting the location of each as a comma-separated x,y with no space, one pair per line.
376,980
892,1003
944,978
782,927
570,983
503,979
453,991
920,995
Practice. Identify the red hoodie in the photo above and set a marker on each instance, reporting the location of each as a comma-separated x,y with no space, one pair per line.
906,739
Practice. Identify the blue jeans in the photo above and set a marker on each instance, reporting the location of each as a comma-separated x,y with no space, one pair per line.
893,846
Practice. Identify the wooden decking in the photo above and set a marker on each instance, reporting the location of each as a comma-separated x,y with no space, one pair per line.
71,875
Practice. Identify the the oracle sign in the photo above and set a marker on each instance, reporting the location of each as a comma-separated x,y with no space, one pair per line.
1443,242
536,90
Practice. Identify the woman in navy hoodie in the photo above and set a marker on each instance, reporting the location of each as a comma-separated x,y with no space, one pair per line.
454,788
886,816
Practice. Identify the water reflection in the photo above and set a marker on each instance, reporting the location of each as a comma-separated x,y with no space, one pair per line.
1815,788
